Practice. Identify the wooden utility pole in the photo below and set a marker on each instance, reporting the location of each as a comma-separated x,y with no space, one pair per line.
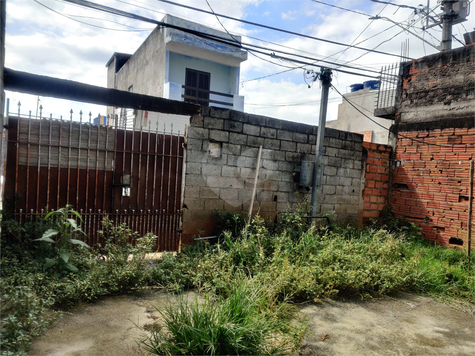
326,79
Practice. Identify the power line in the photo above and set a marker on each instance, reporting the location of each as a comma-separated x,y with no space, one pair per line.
342,8
113,11
275,28
70,17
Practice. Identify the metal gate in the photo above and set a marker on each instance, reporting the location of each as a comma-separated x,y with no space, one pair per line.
131,176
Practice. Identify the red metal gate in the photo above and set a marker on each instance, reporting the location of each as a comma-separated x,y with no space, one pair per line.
130,176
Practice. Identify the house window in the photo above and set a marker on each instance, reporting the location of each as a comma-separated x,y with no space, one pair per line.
197,86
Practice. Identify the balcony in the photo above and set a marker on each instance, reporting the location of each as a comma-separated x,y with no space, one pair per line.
175,91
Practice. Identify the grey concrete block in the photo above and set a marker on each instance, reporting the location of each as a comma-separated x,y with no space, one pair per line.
329,171
255,141
330,199
239,116
233,126
247,162
344,181
329,189
219,113
354,173
194,204
245,195
265,195
305,128
251,130
229,194
193,168
223,159
198,132
292,157
334,161
282,197
331,151
267,207
286,186
286,166
272,144
224,182
237,139
288,146
269,164
268,132
327,208
192,192
214,204
257,120
346,163
194,144
250,152
274,123
218,135
196,121
205,111
299,137
290,126
213,123
229,148
352,209
208,193
230,171
267,153
233,205
274,175
211,169
284,135
247,173
279,155
312,139
356,182
196,157
304,147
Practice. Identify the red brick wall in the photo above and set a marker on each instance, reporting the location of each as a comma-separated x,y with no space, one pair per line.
431,181
376,188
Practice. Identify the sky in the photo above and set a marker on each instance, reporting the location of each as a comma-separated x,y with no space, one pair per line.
62,40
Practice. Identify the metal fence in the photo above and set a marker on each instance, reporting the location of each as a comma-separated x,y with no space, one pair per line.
131,176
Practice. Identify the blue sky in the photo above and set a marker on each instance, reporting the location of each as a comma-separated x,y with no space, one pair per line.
43,42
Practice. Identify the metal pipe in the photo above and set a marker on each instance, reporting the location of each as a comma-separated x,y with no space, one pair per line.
470,212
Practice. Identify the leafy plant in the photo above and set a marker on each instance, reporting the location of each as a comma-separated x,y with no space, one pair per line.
64,229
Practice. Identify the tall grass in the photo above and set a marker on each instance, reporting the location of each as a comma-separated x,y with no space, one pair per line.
241,324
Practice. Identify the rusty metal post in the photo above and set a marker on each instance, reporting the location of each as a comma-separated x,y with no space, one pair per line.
470,212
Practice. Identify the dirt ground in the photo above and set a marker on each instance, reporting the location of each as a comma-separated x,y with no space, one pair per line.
402,325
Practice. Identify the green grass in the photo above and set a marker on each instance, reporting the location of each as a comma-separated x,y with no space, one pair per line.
250,281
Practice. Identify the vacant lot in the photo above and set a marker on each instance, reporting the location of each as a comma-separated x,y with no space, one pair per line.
406,324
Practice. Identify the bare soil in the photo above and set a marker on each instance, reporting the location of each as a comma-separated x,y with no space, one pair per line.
403,325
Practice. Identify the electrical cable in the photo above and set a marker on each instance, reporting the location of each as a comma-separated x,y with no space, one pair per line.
113,11
342,8
89,24
273,28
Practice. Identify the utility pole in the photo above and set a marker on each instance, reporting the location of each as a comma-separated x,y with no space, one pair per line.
447,21
326,79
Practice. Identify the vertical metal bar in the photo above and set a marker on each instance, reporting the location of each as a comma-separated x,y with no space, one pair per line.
140,167
79,160
132,167
105,168
17,157
49,159
176,196
123,166
69,156
59,159
155,166
87,163
97,165
39,169
146,168
28,165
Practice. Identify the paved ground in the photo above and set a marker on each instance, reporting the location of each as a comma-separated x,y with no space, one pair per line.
404,325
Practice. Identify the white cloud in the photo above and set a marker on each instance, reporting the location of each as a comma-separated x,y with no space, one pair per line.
289,15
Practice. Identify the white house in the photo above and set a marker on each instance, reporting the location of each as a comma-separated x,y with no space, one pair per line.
350,119
177,65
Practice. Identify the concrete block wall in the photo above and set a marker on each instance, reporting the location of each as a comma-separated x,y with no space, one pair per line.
431,184
225,182
376,183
